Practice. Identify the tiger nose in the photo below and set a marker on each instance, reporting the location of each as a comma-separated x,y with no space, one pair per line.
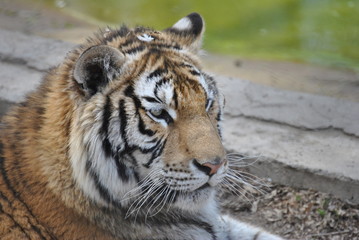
211,167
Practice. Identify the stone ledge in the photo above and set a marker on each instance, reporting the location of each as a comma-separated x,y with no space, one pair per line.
305,140
301,110
326,160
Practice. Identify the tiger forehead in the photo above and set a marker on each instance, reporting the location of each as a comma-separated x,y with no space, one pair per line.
190,94
175,84
140,39
167,72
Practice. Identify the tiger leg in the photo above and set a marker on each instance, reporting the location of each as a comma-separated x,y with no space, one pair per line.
243,231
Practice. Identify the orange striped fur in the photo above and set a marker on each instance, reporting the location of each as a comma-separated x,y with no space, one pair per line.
120,141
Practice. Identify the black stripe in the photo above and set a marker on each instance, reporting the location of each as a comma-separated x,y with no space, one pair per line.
129,91
127,43
161,45
135,49
156,151
106,145
165,219
159,151
205,226
158,85
142,128
111,34
122,170
11,217
123,120
194,72
17,225
135,166
17,196
175,98
137,103
257,235
218,118
152,100
141,125
161,82
153,150
104,192
127,154
186,65
158,72
150,150
123,31
127,151
211,105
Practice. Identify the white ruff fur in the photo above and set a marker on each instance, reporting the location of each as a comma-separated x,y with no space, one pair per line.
85,145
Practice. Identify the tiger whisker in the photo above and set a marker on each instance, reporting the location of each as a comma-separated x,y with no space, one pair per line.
143,184
247,177
242,156
155,199
238,179
232,187
171,200
238,190
145,201
142,199
235,158
163,202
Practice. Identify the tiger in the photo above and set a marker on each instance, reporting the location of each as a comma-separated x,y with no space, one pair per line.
122,140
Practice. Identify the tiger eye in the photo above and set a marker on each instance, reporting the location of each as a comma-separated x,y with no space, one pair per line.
156,112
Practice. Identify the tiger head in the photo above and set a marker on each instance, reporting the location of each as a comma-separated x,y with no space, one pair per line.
147,119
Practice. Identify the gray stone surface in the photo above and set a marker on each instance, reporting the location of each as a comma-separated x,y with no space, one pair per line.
34,52
17,79
292,108
325,151
326,160
24,60
303,140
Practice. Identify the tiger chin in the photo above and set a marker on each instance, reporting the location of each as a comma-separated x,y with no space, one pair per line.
120,141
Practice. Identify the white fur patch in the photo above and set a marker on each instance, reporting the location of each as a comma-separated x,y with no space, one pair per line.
146,88
183,24
86,143
246,231
145,38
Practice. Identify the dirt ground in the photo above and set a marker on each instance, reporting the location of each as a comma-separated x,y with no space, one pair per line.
292,213
295,213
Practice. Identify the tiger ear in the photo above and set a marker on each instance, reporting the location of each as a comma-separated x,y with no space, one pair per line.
189,30
97,66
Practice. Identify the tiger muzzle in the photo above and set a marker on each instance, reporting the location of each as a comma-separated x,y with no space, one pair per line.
210,168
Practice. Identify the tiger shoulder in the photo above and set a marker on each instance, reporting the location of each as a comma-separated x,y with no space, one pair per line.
122,140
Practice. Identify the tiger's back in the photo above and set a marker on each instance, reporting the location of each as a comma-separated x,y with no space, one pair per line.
120,141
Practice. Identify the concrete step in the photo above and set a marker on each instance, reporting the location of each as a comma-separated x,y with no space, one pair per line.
303,140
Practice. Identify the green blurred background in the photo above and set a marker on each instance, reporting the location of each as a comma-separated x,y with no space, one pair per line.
323,32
